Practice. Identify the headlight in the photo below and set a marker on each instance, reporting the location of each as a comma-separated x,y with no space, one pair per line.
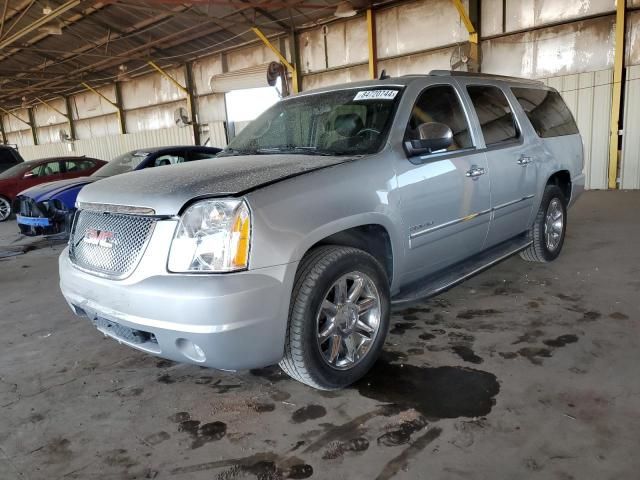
212,236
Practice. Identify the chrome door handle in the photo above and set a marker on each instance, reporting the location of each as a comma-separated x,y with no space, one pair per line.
475,171
524,161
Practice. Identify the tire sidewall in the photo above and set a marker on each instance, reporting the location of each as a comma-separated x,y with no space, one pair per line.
11,209
326,375
551,192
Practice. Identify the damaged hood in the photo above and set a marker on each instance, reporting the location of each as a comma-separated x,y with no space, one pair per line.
47,191
167,189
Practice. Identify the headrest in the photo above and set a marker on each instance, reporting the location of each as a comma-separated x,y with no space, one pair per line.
348,124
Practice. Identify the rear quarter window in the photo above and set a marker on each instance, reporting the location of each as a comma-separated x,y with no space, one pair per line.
547,112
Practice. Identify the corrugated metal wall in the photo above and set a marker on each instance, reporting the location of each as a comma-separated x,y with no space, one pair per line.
630,168
107,148
588,95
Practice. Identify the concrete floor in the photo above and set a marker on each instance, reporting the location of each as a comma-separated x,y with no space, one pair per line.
526,371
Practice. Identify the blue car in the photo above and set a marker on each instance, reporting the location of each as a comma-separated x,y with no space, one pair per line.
48,209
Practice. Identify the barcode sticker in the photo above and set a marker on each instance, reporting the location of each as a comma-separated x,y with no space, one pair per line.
376,95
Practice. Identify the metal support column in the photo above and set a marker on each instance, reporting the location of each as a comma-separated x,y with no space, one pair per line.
191,101
72,125
285,62
373,48
120,106
4,135
468,21
616,101
32,124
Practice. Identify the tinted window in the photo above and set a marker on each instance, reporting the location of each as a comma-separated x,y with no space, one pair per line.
170,159
78,165
6,158
440,104
122,164
547,112
45,170
494,114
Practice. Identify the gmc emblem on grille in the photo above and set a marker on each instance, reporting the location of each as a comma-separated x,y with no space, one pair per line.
100,238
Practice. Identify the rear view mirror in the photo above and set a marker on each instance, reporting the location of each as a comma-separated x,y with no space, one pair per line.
432,136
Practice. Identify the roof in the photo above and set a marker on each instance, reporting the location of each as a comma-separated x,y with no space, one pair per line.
98,37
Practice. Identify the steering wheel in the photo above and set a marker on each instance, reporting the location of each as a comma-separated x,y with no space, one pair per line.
366,131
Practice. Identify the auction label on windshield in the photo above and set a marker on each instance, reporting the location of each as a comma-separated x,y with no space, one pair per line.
376,95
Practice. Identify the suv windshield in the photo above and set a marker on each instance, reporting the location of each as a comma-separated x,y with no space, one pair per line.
340,122
122,164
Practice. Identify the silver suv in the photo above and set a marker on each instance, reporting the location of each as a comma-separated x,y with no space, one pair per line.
328,209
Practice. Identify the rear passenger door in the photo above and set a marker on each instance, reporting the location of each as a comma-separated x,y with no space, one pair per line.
444,194
512,159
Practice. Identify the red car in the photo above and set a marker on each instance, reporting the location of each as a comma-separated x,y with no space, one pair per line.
28,174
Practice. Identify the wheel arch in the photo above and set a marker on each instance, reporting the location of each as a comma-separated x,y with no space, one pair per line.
374,237
562,179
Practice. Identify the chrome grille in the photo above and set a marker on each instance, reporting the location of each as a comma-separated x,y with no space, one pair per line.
109,244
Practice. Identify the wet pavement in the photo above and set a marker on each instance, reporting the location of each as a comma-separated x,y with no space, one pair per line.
525,371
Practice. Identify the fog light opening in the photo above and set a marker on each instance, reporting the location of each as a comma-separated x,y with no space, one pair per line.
190,350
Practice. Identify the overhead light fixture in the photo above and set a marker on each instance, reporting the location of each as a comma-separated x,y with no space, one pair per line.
46,10
123,74
24,103
344,10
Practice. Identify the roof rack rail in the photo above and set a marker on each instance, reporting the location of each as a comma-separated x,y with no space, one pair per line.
457,73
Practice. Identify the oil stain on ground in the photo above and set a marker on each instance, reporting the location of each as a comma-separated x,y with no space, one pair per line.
263,466
402,434
310,412
435,392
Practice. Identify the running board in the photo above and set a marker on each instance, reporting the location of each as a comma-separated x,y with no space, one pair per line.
450,277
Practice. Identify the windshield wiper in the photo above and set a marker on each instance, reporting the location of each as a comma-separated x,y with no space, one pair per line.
232,152
295,149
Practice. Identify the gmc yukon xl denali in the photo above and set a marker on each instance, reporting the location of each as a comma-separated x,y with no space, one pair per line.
331,207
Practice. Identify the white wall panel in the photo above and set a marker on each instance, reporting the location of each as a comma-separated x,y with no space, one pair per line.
578,47
106,148
203,70
51,133
521,14
347,42
45,115
12,124
97,127
89,105
418,64
422,25
152,118
491,15
632,48
588,96
312,51
152,89
251,56
630,167
334,77
211,108
20,137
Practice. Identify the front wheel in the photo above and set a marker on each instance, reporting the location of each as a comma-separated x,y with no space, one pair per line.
548,230
5,209
338,319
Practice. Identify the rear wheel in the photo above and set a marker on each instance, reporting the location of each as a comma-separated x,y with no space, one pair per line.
5,209
549,227
338,319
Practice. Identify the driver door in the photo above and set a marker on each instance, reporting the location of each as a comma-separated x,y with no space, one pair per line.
445,195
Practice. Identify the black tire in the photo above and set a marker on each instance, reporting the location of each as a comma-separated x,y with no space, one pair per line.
317,272
5,203
538,251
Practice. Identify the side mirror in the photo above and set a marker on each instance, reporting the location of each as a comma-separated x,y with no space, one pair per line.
29,175
432,136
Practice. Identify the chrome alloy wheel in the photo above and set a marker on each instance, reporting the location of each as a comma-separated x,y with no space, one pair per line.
348,321
5,209
553,224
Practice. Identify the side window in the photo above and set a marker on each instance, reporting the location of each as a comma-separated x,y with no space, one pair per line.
170,159
45,170
72,166
6,158
440,104
494,113
547,112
